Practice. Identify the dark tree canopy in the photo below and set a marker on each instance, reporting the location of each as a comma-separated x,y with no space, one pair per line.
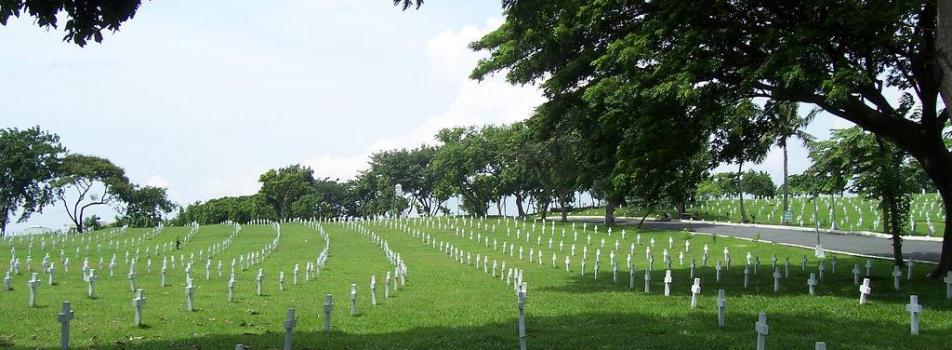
28,161
94,181
85,19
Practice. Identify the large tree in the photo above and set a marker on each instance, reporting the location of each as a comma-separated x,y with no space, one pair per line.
280,188
28,161
466,162
145,206
411,169
844,57
94,181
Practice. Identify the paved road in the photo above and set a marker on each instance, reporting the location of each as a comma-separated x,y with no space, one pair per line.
918,250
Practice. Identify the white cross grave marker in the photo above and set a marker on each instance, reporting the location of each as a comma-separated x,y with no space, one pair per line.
695,291
914,309
328,307
32,284
864,291
667,282
811,283
137,303
353,299
289,324
64,317
762,330
721,308
776,280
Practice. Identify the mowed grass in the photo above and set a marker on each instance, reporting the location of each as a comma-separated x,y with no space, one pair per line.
446,304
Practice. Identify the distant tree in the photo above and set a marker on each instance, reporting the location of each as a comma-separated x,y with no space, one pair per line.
799,184
28,162
282,187
881,171
831,171
411,169
758,184
145,206
92,223
94,181
85,19
465,164
743,138
789,125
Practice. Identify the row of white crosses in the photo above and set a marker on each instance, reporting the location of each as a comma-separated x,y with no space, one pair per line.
865,289
514,277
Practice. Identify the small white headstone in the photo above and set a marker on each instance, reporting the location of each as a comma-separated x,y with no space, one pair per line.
864,291
762,329
721,308
914,310
695,291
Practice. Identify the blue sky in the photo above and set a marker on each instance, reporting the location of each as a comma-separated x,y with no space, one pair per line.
202,97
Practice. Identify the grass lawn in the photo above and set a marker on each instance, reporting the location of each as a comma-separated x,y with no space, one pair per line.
446,304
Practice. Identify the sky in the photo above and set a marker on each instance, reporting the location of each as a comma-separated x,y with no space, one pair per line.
202,97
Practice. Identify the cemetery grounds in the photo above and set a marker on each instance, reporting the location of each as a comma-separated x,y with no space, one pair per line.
449,300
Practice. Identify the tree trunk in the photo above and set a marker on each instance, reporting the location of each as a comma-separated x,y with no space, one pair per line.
643,217
679,207
519,199
544,208
740,193
786,203
565,208
943,48
3,222
609,213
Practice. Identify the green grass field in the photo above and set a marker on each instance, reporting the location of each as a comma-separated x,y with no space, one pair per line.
851,213
446,304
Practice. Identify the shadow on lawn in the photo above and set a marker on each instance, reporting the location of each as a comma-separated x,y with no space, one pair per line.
840,285
630,330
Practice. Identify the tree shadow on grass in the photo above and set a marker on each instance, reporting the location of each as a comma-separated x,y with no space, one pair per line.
695,329
759,285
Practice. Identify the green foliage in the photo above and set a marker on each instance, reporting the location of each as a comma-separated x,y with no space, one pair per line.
94,181
758,184
411,169
145,206
236,209
92,223
283,187
29,160
85,20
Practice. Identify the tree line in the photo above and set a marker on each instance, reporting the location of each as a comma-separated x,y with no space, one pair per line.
36,171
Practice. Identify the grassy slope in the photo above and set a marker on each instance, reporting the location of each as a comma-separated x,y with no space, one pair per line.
449,305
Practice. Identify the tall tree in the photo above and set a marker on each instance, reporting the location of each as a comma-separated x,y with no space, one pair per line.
743,138
844,57
466,164
145,206
94,181
789,125
28,161
410,168
282,187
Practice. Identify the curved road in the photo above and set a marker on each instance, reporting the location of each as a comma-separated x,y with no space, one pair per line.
857,244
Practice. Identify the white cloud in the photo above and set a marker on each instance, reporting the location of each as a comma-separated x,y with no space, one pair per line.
491,101
157,181
238,184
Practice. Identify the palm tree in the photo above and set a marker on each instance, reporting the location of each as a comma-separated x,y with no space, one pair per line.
789,124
